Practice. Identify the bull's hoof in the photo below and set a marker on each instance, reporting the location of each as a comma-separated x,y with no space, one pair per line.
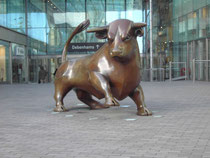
144,112
111,102
60,109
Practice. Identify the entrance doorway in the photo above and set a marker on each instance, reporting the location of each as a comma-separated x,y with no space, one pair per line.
19,67
48,63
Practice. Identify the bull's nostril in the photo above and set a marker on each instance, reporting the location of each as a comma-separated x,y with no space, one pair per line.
116,51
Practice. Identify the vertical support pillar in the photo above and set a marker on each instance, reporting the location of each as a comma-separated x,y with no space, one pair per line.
194,57
26,47
185,66
151,48
170,71
193,63
10,63
207,58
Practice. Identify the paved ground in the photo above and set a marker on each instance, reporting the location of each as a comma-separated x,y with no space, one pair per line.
179,128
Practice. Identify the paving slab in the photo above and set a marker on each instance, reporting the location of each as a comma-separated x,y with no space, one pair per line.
179,126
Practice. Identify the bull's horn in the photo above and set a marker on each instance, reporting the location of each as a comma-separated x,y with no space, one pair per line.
98,29
139,25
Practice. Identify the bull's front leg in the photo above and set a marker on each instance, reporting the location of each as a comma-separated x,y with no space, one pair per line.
138,97
100,83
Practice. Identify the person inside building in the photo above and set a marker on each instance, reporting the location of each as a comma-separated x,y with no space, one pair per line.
42,75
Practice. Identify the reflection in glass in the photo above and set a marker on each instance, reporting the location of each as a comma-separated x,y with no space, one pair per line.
3,15
38,34
134,10
198,4
37,40
79,38
56,39
187,6
191,27
96,12
134,13
12,14
75,12
36,13
92,38
115,10
56,13
177,9
202,22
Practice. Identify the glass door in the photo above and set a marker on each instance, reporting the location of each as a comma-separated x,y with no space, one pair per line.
5,69
18,63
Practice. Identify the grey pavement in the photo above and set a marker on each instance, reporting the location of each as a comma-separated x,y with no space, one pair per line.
179,127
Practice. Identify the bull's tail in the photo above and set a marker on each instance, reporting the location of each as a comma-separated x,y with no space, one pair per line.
77,30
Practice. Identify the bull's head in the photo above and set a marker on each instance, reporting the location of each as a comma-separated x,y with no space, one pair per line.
121,35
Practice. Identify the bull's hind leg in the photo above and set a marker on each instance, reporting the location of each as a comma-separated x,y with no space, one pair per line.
138,97
86,98
60,92
101,84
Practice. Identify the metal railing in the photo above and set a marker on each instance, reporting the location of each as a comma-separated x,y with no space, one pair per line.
170,69
180,71
158,74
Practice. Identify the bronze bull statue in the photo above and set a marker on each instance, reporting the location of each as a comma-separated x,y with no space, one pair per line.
112,72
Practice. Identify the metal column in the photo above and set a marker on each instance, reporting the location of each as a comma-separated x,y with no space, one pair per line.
10,63
207,58
151,48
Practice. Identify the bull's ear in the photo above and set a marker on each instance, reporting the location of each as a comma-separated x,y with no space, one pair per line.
100,32
138,29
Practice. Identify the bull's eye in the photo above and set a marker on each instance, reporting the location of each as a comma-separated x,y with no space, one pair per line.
128,37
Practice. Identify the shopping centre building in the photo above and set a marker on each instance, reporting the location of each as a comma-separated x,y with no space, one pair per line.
33,34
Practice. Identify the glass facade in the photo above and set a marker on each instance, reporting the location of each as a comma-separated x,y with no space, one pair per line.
12,14
180,33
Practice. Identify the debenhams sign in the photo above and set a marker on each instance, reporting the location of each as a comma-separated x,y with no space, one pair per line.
84,47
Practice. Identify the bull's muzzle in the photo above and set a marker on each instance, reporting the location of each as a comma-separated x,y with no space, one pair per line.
117,52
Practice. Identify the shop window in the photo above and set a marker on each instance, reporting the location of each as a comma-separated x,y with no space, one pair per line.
5,75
